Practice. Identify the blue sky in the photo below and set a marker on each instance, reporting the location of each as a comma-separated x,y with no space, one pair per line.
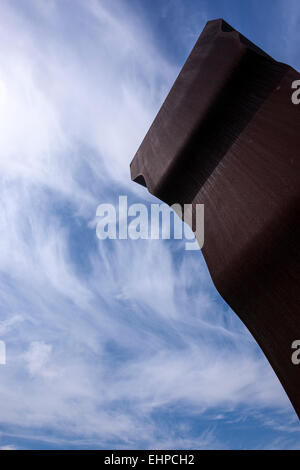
115,344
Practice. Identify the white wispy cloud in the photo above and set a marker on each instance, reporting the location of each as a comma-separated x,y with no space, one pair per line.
8,447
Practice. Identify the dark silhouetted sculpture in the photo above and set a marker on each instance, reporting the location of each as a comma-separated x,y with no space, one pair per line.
228,136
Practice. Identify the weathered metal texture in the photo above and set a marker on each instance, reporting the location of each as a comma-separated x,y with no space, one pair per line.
228,137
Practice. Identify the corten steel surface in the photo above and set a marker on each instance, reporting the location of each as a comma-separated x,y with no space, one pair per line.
228,137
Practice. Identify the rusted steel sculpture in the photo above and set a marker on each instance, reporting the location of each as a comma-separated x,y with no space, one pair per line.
228,136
